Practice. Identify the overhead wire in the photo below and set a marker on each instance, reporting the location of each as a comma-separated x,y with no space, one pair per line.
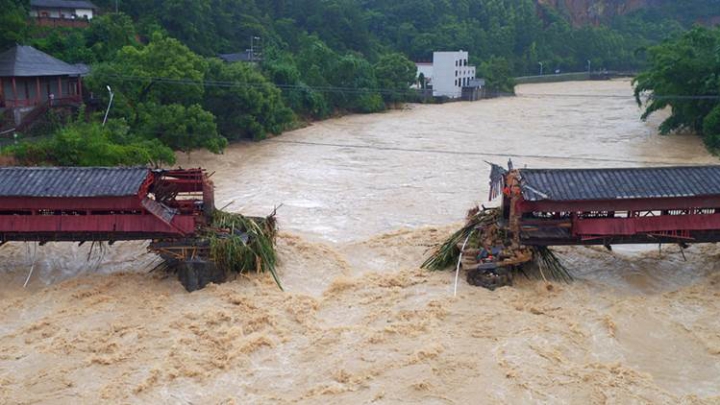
388,91
469,153
352,90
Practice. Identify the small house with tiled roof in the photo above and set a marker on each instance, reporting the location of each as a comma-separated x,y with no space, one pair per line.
29,78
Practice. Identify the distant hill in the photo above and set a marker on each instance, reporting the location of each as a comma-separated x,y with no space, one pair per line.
597,12
524,36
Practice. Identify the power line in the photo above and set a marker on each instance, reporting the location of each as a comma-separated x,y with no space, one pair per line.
387,91
466,153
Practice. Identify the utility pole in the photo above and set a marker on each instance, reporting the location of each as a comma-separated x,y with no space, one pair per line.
541,68
589,64
116,6
255,50
112,96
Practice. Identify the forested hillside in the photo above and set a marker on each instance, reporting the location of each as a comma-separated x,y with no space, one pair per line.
322,56
560,33
524,32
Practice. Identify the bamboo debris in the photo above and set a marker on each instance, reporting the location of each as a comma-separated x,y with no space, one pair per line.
449,252
242,244
486,222
547,260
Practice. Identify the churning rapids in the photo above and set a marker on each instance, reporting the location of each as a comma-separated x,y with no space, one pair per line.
363,199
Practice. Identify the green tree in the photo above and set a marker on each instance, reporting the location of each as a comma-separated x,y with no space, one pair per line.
66,44
179,127
159,88
682,74
109,33
711,127
354,79
497,73
395,74
165,72
89,144
245,103
13,23
281,69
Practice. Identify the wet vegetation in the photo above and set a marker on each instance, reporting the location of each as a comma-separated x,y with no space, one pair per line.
242,244
684,76
312,59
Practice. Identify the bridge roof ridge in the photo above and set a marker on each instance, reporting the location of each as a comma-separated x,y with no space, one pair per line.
71,182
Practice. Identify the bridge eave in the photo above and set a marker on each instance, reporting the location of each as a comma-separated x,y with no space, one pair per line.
640,204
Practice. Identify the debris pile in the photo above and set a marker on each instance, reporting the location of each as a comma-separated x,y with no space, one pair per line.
230,243
486,250
243,244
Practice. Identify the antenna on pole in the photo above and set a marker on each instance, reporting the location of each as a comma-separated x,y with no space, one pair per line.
255,49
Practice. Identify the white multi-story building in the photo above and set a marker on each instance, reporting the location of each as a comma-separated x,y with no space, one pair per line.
449,73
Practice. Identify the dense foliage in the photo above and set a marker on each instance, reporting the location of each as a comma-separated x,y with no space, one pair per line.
511,29
684,75
89,144
316,57
13,22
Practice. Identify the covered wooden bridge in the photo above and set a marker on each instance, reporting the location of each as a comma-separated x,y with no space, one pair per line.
46,204
547,207
174,209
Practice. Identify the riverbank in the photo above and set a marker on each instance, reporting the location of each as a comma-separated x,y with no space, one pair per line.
572,77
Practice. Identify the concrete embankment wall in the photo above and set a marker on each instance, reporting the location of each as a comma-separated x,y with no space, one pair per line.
575,76
551,78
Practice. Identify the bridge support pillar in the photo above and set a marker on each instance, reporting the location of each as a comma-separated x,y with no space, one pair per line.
195,274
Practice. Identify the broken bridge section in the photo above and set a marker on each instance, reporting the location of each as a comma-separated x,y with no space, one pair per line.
547,207
52,204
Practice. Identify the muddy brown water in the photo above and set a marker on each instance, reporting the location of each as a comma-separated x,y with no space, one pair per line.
363,198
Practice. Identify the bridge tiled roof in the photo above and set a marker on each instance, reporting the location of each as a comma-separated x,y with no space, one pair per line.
621,183
68,182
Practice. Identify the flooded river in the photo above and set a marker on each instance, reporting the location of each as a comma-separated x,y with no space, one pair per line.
362,199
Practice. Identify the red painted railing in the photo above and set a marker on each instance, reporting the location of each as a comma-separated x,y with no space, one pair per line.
57,101
646,225
111,224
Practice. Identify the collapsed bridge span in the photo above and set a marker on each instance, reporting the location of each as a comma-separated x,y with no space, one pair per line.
551,207
54,204
174,209
541,208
